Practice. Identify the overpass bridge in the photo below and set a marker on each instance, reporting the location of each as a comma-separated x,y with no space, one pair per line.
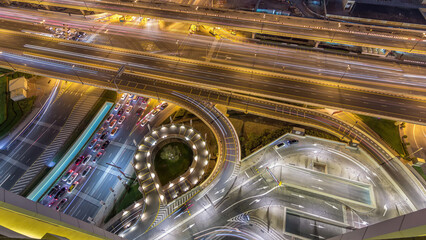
395,39
86,62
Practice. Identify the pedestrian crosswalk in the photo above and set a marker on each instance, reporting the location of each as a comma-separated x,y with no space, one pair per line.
81,108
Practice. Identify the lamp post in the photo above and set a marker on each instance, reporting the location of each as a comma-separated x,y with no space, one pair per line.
4,58
72,68
344,73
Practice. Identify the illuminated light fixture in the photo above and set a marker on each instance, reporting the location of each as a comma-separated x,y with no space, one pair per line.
173,126
193,146
152,175
171,185
137,205
187,138
149,165
161,197
148,153
157,186
204,143
206,162
195,181
181,179
125,213
196,158
191,170
140,176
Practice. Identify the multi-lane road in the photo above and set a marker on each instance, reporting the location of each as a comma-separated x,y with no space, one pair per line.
142,68
318,30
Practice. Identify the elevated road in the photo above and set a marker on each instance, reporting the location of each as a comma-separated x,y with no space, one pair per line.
141,67
412,41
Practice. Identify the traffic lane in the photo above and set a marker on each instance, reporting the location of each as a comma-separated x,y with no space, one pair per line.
182,67
9,174
81,208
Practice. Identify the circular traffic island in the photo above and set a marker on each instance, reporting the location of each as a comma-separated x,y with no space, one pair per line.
172,158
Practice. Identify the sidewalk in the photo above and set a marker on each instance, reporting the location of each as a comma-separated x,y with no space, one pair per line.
41,89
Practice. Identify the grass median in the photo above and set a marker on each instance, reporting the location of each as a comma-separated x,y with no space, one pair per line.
388,131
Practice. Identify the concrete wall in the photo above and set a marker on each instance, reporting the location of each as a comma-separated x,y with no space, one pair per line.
36,220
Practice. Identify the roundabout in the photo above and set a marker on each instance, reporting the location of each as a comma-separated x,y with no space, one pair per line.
174,157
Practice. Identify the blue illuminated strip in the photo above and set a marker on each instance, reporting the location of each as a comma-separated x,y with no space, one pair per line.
45,184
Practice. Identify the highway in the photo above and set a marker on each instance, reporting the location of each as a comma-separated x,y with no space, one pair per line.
416,136
207,75
366,72
31,143
318,30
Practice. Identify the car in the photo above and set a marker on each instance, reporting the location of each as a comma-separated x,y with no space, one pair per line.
100,131
67,175
292,141
163,105
120,112
145,100
105,145
123,96
53,191
139,98
155,112
128,102
139,111
86,159
86,171
117,106
96,148
98,156
129,109
92,143
121,120
61,193
50,204
144,122
281,144
112,124
74,185
79,160
110,117
105,135
114,131
61,204
72,178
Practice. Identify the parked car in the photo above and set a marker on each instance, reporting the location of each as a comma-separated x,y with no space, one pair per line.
291,141
79,160
53,191
145,100
92,143
67,175
112,124
96,148
114,131
120,112
281,144
100,131
121,120
105,135
86,171
131,96
117,106
74,185
50,204
105,145
61,193
86,159
123,96
61,204
72,178
128,102
129,109
110,117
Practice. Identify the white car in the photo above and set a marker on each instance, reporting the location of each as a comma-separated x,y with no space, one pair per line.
72,178
117,106
123,96
121,120
129,109
128,102
110,117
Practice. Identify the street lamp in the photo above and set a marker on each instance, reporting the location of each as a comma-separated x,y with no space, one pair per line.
344,73
72,68
4,58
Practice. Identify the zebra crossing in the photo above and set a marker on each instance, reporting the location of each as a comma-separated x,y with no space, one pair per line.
166,210
81,108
